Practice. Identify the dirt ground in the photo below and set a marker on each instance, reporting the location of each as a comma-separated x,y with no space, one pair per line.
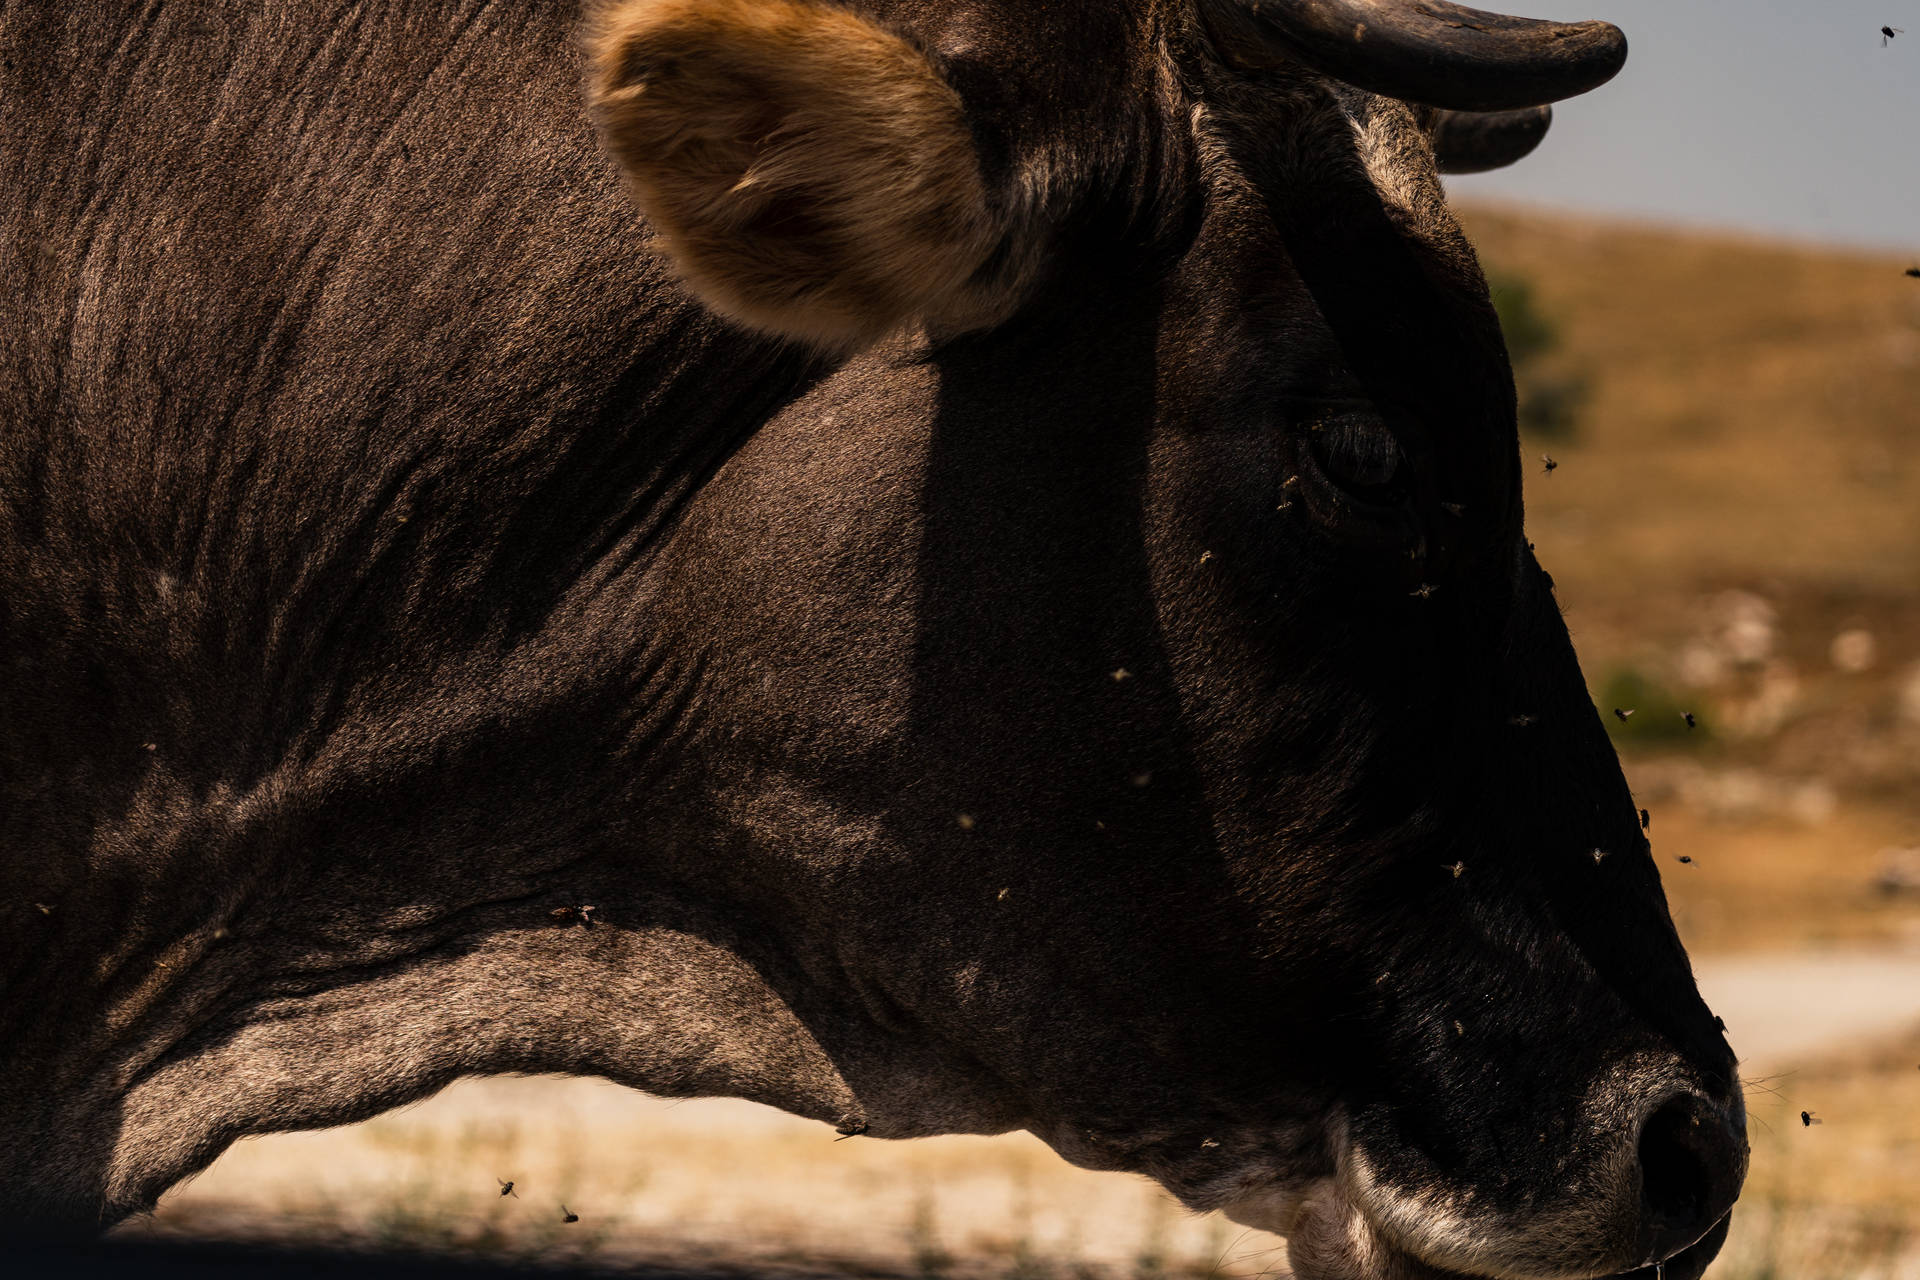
1734,527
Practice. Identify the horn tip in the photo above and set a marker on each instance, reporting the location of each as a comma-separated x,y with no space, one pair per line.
1609,44
1479,142
1434,52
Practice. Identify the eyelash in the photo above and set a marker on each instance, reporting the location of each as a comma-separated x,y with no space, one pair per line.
1383,517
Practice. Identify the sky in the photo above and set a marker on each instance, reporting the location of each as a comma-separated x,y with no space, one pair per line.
1783,117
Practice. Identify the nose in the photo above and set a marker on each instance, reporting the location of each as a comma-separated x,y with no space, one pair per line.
1692,1160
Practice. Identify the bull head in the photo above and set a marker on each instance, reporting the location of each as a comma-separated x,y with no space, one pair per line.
1173,540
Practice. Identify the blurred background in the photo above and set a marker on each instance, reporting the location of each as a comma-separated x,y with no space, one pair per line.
1702,275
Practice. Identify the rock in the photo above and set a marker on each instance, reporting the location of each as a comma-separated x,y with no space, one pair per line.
1853,651
1910,695
1899,873
1748,626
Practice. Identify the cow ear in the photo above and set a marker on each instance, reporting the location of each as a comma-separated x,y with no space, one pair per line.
809,173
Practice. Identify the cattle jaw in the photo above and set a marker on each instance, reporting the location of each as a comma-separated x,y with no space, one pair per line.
1332,1240
1690,1263
1353,1226
1328,1238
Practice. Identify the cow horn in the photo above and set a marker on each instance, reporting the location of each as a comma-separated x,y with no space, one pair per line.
1478,141
1425,51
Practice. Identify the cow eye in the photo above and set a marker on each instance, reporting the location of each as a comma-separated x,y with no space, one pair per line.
1358,454
1352,476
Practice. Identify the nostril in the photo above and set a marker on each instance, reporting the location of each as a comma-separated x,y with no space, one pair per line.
1676,1179
1692,1162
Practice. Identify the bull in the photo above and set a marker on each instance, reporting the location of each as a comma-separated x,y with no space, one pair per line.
948,566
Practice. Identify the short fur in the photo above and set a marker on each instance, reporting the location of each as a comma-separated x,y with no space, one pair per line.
809,173
392,556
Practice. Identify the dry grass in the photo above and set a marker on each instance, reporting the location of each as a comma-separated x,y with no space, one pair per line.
1840,1198
1865,1152
1754,414
1754,434
698,1182
1758,884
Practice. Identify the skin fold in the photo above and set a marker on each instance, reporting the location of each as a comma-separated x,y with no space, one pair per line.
1090,678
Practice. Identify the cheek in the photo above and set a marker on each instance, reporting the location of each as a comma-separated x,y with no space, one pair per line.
1251,591
1222,555
1215,490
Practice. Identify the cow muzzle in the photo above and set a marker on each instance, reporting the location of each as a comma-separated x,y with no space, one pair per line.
1653,1203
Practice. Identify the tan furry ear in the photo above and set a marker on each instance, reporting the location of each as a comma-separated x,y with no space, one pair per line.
809,173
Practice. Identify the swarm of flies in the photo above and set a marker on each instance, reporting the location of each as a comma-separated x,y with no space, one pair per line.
566,915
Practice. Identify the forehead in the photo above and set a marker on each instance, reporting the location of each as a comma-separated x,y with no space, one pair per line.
1327,248
1326,232
1319,142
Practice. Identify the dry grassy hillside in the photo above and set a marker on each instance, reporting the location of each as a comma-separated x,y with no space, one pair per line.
1734,527
1755,419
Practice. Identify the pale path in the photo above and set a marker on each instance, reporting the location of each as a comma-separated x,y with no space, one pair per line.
1783,1008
